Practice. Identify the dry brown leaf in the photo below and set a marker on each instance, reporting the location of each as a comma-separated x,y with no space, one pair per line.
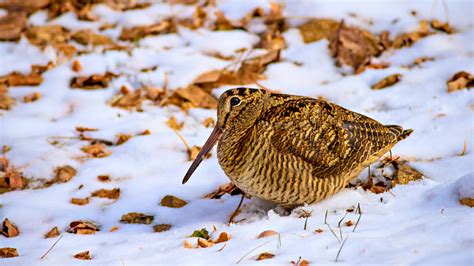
272,40
172,202
122,138
386,82
6,102
28,6
17,79
136,218
186,244
66,50
93,82
9,229
79,201
378,189
32,97
84,129
209,122
210,76
136,33
354,47
104,178
85,255
47,35
265,255
438,25
192,96
223,237
194,151
228,188
158,228
203,243
267,233
10,177
12,25
467,202
172,123
88,37
64,173
317,29
154,94
304,262
97,150
460,80
128,100
407,39
349,223
54,232
76,66
107,193
81,227
145,132
113,228
8,252
318,231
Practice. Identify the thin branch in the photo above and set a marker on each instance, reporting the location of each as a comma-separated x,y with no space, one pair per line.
42,257
358,219
340,248
325,222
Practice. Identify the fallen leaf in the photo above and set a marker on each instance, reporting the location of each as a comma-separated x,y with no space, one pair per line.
88,37
378,189
76,66
64,173
11,26
272,40
172,202
97,150
9,229
211,76
349,223
186,244
122,138
223,237
194,151
6,102
265,255
32,97
203,233
47,35
113,228
172,123
386,82
17,79
93,82
85,255
209,122
438,25
192,96
5,149
145,132
158,228
8,252
54,232
136,33
107,193
407,39
128,100
460,80
304,262
81,227
136,218
203,243
10,177
267,233
318,231
228,188
353,47
405,173
103,178
317,29
467,202
84,129
80,202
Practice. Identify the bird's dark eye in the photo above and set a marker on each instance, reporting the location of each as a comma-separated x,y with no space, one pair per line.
234,101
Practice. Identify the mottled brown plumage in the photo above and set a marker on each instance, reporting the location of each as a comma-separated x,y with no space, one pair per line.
292,149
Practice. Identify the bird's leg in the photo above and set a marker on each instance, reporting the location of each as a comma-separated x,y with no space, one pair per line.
236,212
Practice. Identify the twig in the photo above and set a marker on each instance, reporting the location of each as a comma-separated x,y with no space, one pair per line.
236,212
219,250
182,139
279,241
326,223
358,219
259,246
42,257
340,248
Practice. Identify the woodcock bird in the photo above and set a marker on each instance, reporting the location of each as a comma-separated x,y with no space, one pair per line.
293,150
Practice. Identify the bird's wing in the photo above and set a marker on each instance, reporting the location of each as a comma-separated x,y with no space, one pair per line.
325,135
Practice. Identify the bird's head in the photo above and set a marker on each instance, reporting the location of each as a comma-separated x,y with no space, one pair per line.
237,110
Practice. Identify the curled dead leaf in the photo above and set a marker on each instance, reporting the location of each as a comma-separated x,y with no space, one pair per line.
228,188
8,252
122,138
172,202
438,25
80,202
460,80
386,82
85,255
11,26
192,96
107,193
54,232
97,150
349,223
10,177
17,79
93,82
136,218
318,231
407,39
64,173
158,228
82,227
209,122
467,202
203,243
223,237
76,66
136,33
6,102
267,233
317,29
9,229
265,255
128,100
103,178
47,35
186,244
32,97
172,123
88,37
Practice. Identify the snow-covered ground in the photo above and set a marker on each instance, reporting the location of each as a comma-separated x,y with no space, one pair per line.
418,223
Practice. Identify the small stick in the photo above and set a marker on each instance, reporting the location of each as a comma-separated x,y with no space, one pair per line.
261,245
236,212
358,219
325,222
340,248
219,250
42,257
182,139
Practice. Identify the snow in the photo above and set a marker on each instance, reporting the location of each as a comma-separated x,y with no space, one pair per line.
418,223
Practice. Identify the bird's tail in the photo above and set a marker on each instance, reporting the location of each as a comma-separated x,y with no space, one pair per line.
399,132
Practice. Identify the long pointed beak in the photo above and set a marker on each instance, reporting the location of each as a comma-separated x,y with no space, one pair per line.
211,141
